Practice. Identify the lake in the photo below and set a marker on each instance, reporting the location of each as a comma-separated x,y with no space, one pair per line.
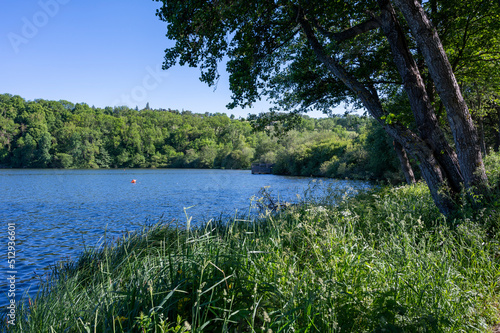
57,213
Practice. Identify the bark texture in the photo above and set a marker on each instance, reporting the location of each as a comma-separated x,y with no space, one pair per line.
405,163
432,172
464,133
423,111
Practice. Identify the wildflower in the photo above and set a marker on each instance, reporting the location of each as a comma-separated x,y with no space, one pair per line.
267,319
346,213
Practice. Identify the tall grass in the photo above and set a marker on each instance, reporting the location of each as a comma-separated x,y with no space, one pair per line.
384,261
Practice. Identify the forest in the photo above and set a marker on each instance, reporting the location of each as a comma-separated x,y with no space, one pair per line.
60,134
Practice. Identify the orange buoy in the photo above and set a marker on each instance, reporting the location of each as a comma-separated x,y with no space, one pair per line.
133,181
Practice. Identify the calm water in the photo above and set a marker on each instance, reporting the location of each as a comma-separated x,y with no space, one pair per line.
59,212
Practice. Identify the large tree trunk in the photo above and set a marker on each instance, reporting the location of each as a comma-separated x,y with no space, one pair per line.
405,163
423,111
464,132
432,172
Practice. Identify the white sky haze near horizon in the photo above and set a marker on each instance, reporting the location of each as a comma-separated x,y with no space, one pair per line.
103,53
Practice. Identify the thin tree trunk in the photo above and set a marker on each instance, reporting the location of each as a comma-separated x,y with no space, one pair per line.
431,171
464,132
405,163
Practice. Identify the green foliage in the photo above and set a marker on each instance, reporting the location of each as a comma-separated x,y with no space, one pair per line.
42,134
63,161
366,153
492,164
384,261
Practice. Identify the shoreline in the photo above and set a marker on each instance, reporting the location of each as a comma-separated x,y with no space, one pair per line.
214,275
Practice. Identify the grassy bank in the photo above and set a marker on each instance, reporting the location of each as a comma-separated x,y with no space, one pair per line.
384,261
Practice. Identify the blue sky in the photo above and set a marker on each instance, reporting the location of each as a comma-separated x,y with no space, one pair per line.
103,53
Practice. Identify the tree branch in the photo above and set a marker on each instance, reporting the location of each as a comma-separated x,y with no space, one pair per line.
350,33
462,48
289,38
431,170
351,82
384,82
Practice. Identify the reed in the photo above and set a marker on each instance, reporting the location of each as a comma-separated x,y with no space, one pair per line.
383,261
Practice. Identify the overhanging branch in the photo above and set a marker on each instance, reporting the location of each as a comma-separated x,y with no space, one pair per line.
369,99
350,33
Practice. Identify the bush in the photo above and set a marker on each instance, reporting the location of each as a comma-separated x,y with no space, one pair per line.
492,165
63,160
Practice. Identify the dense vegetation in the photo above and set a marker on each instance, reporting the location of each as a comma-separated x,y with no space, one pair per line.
60,134
384,261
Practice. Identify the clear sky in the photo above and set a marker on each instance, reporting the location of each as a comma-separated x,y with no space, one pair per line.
103,53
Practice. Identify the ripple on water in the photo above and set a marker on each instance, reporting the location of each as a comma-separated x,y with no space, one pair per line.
59,212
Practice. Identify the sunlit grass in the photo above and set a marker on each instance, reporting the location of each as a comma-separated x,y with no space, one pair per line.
385,261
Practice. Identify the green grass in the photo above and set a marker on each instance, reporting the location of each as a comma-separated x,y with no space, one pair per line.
384,261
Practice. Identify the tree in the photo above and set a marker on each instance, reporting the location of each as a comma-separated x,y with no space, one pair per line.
8,131
42,157
469,31
24,152
313,55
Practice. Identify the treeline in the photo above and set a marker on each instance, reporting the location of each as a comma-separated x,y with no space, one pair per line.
363,152
60,134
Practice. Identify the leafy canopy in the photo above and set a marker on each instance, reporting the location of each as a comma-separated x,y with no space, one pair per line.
267,52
